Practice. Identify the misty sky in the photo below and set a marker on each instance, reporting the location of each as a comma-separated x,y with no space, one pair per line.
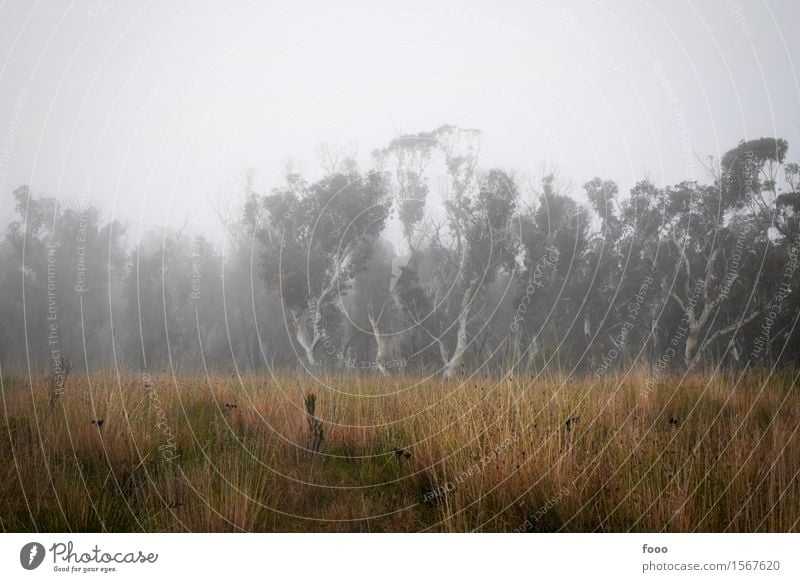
150,108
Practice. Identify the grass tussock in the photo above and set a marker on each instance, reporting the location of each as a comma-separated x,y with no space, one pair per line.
126,452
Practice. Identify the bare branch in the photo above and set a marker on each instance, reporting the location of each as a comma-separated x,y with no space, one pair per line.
735,326
678,300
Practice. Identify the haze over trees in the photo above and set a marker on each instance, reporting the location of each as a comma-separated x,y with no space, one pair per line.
426,262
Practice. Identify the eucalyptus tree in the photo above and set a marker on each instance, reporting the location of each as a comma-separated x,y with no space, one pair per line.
749,178
369,306
550,308
318,238
697,222
405,162
603,265
766,189
639,299
61,263
161,329
469,248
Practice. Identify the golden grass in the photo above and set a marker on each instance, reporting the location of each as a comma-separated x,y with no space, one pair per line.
706,453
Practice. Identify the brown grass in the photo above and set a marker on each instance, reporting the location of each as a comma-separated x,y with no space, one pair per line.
403,454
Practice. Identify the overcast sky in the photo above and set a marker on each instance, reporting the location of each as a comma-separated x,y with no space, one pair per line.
149,108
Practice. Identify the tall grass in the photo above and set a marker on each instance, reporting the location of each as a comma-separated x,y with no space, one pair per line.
704,453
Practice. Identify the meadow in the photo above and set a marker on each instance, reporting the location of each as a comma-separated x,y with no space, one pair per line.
125,452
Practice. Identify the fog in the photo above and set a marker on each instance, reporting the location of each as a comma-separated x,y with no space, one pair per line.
382,186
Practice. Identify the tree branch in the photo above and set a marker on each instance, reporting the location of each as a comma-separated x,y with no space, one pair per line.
734,326
678,300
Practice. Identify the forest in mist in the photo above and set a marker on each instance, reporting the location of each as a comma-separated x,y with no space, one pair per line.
426,262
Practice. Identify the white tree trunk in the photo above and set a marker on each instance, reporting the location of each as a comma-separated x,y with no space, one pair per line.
452,366
533,351
692,340
735,352
380,340
308,341
587,334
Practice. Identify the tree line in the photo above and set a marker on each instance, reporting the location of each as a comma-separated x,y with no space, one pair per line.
425,262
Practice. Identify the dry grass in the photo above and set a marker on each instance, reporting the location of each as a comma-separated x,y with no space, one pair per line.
707,453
